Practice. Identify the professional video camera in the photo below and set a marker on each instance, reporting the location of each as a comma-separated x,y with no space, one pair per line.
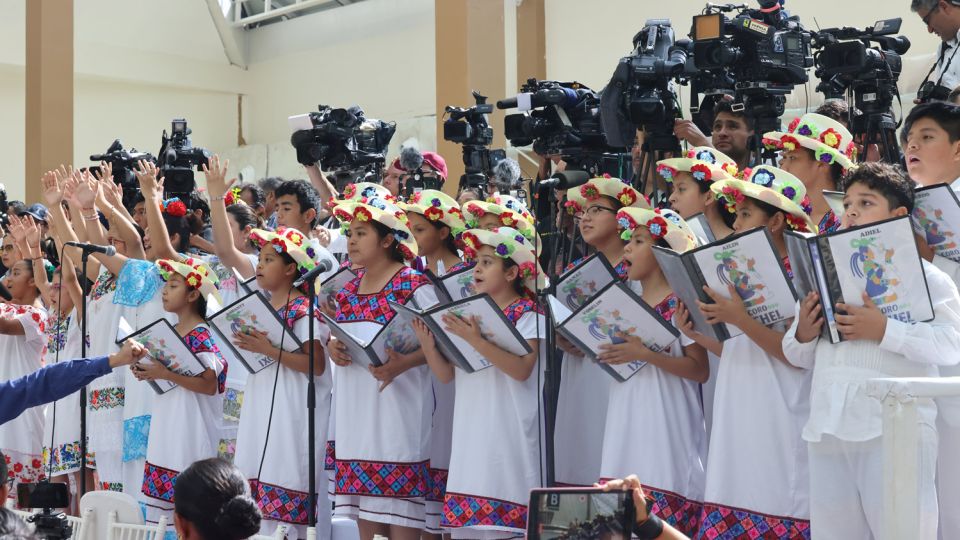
347,144
470,128
48,496
641,93
178,158
846,63
757,56
124,164
560,118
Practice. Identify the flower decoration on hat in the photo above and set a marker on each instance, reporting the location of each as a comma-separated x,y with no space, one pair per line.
384,212
772,186
627,196
232,196
668,173
573,207
829,140
589,192
290,241
173,207
662,224
507,243
703,163
703,155
194,272
764,178
657,227
701,173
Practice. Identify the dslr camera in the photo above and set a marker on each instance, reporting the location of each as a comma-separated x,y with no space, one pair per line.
178,159
345,143
641,92
470,127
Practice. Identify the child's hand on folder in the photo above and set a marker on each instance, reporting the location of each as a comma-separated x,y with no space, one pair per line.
810,321
567,347
338,352
724,310
468,329
862,322
631,350
427,342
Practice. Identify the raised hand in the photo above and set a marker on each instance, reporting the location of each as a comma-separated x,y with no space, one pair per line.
216,173
52,189
150,186
87,190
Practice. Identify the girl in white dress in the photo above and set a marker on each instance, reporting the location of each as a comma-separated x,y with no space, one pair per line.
22,340
383,414
580,416
185,421
496,456
667,389
272,447
757,480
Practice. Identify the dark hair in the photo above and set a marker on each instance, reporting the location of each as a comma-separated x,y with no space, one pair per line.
726,106
244,215
12,527
835,109
178,225
18,207
270,183
382,231
885,178
307,196
213,495
836,169
946,115
449,242
518,286
259,198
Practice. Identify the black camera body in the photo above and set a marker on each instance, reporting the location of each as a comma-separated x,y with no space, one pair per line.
124,164
178,159
754,45
560,118
344,142
471,128
48,524
641,92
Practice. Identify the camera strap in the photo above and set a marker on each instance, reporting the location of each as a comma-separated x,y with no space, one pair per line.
943,52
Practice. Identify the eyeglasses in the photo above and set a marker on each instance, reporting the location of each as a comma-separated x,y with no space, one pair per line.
926,18
594,211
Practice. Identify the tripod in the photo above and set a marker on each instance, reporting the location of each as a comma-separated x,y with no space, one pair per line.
655,147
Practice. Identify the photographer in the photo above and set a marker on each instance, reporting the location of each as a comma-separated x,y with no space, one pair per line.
269,186
648,525
732,132
12,527
942,17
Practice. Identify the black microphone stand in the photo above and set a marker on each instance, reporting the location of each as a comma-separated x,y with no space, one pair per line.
311,413
85,283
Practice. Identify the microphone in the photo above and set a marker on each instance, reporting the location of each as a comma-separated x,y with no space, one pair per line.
323,266
93,248
565,180
411,159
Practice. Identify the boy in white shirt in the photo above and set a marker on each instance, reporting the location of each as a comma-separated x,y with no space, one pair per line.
845,427
931,143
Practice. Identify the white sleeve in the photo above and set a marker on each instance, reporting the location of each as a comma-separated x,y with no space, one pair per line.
301,329
801,355
425,297
936,342
210,361
532,326
33,323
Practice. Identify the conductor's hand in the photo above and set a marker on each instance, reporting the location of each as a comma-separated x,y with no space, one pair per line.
130,353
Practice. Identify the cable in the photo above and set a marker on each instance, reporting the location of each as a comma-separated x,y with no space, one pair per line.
56,360
276,378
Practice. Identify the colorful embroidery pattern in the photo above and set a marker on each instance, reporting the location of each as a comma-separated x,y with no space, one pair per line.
667,307
139,281
158,482
723,523
57,333
106,283
199,340
279,504
232,404
678,511
466,511
520,307
330,456
353,306
106,398
438,485
16,310
112,486
462,265
621,270
136,432
381,479
23,468
829,223
64,458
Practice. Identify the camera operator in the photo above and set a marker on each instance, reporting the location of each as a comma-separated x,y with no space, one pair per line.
12,527
269,186
434,166
732,132
941,17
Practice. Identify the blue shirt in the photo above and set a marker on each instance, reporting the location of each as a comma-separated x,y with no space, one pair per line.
48,384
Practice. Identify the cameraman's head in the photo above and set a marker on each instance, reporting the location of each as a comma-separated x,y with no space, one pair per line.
942,17
391,178
732,132
213,503
269,186
433,169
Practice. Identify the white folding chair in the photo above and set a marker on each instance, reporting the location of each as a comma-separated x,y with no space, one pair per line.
79,525
116,516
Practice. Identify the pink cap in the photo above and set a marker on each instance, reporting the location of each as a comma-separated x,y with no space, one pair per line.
433,159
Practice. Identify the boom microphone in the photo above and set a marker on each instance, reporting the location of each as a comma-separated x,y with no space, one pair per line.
565,180
506,174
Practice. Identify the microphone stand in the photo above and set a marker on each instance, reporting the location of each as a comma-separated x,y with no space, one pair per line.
85,283
311,414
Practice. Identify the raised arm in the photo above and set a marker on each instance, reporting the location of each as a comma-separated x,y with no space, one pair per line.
55,190
87,192
110,200
223,241
152,190
26,234
326,189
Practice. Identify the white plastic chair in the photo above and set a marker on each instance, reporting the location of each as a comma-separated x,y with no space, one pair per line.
116,516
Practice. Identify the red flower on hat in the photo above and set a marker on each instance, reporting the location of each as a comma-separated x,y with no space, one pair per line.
831,138
193,280
342,214
627,196
350,191
507,219
573,207
362,214
852,151
589,192
173,207
793,125
433,213
657,227
796,223
469,253
470,240
454,211
772,144
701,172
415,198
527,270
789,143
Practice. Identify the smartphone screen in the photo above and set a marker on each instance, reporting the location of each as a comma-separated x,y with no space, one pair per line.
579,513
